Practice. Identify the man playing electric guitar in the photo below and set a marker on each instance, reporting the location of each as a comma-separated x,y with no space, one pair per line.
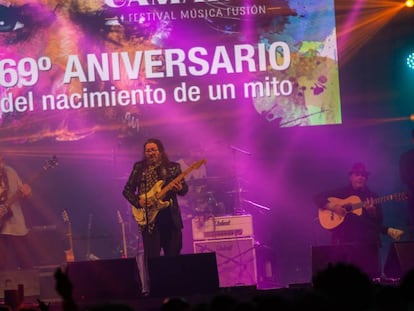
160,217
363,227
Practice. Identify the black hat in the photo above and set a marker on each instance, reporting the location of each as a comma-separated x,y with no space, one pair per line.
359,168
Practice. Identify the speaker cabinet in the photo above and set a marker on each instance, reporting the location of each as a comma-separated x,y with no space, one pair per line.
186,274
365,257
109,279
236,260
400,259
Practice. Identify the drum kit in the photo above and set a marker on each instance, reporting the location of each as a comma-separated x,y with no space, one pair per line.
209,196
216,196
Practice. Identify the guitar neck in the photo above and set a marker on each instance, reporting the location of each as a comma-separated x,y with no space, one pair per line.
70,237
383,199
124,245
13,198
168,187
179,178
390,197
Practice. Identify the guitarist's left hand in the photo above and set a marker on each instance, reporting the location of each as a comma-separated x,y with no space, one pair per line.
25,190
177,186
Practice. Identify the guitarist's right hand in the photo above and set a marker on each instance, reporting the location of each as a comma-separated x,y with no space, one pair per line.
144,203
336,208
25,190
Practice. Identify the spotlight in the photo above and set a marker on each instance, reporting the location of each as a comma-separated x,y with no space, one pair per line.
409,3
410,61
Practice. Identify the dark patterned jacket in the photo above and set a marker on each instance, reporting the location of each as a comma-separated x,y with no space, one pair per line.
142,180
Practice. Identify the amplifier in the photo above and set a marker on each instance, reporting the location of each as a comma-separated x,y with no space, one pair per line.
10,279
222,227
236,260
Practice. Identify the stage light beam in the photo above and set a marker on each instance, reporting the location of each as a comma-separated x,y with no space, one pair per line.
410,61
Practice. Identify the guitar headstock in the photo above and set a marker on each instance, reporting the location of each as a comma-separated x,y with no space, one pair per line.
51,163
65,216
401,196
120,220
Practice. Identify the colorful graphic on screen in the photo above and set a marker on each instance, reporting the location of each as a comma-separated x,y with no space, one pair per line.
70,69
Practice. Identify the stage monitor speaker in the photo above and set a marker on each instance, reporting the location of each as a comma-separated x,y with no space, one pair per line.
400,259
365,257
109,279
185,274
236,260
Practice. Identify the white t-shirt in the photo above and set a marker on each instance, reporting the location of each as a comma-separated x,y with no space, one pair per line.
16,223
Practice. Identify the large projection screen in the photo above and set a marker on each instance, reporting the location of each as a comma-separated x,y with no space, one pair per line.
71,69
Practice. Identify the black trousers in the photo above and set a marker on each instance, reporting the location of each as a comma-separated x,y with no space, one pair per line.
169,239
16,252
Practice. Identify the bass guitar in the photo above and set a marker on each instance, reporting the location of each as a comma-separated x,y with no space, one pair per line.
5,208
352,204
156,195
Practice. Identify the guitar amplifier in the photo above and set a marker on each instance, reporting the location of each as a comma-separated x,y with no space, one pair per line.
236,260
9,279
211,228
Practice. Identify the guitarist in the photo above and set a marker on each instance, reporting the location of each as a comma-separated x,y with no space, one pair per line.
406,170
13,228
363,228
165,232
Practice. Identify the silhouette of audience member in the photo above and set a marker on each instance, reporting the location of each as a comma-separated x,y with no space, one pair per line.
175,304
340,287
388,298
223,302
64,288
267,302
406,287
345,285
111,306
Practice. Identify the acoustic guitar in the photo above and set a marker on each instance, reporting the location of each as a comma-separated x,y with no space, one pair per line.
155,197
352,204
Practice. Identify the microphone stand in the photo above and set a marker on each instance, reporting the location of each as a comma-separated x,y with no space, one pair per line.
142,259
146,201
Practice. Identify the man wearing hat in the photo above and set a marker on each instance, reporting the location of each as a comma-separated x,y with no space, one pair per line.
406,167
353,218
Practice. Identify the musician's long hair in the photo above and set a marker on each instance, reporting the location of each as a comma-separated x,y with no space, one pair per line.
164,157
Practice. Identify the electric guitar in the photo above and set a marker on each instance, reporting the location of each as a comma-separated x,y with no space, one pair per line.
124,244
155,197
70,257
5,208
352,204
